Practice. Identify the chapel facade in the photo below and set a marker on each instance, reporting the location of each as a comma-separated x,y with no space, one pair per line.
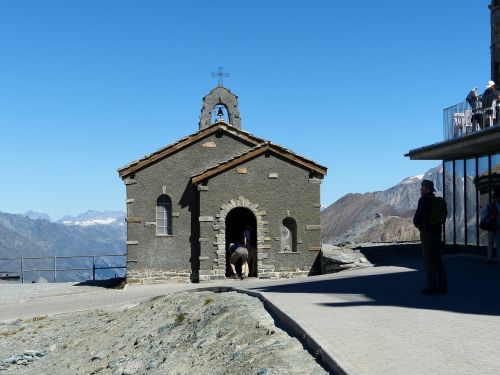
189,200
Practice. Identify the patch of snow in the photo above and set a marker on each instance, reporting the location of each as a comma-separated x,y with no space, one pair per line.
412,180
90,222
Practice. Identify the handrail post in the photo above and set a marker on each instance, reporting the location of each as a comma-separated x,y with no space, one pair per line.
93,268
55,268
22,271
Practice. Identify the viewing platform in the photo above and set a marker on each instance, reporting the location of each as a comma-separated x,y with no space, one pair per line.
460,119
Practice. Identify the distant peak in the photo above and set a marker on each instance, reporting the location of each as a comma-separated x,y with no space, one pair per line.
95,217
33,215
413,179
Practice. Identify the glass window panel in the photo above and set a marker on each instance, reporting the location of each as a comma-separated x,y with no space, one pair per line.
471,203
164,215
448,187
482,184
459,203
495,172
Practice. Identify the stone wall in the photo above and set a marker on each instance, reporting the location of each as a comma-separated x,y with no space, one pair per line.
272,189
157,276
147,251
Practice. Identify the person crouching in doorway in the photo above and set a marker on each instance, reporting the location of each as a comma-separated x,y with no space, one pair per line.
238,253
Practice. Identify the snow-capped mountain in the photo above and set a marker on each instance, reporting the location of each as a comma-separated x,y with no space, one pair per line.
91,217
412,180
21,236
404,196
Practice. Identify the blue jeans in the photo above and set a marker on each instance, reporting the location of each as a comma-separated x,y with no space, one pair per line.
493,237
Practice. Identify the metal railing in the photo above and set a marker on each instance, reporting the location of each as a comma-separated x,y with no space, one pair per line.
19,267
460,119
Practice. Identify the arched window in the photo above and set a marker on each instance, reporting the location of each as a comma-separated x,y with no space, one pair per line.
163,215
289,235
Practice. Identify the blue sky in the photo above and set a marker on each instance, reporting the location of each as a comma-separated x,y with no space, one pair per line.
88,86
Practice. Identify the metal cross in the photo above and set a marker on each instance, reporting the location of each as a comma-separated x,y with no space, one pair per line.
220,75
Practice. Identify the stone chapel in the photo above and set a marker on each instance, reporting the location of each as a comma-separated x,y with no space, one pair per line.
187,201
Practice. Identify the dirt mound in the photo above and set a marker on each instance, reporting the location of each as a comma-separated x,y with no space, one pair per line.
182,333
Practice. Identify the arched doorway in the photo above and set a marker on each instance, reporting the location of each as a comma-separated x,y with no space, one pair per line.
238,220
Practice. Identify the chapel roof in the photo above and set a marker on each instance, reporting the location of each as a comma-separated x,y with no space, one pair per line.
185,142
266,147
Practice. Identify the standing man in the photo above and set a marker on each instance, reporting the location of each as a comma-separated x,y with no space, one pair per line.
488,100
430,238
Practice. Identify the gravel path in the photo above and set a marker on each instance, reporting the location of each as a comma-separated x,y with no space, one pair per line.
16,292
181,333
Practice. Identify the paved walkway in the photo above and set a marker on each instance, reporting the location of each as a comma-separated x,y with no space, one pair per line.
370,321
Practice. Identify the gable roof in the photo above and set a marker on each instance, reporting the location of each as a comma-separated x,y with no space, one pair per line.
255,152
185,142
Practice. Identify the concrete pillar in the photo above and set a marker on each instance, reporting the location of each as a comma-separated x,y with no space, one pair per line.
495,40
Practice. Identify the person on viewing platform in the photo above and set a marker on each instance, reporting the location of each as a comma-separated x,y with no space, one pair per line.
488,100
477,109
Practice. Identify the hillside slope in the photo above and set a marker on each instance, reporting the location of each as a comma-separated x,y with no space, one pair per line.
377,216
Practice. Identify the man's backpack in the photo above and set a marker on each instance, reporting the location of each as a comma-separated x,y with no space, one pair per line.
438,213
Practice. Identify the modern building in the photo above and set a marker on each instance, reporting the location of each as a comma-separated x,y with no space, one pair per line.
471,158
187,201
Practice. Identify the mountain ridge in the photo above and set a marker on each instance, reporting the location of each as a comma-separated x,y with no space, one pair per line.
22,236
93,217
381,216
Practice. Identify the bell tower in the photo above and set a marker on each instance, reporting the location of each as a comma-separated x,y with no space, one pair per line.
220,98
495,40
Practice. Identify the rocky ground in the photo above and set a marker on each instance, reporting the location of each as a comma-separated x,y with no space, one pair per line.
181,333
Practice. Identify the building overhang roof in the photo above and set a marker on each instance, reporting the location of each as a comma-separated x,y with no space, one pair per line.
255,152
484,142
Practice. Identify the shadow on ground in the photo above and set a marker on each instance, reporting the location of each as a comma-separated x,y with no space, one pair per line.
402,253
114,283
474,287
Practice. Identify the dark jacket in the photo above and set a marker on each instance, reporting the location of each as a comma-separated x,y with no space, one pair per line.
489,95
424,209
473,100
